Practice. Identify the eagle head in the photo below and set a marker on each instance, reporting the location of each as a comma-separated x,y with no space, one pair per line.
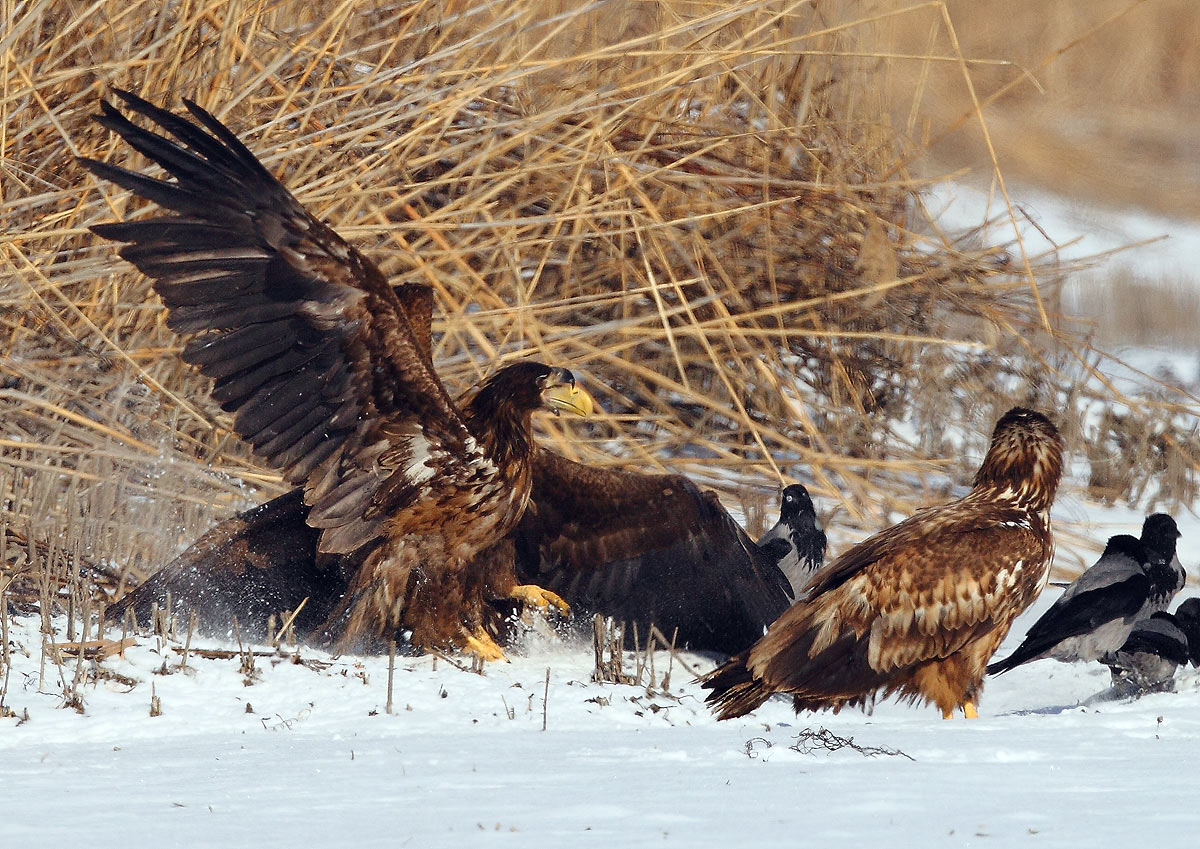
523,387
560,394
1024,461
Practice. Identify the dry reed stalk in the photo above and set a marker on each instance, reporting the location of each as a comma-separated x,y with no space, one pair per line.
704,209
5,651
391,674
187,645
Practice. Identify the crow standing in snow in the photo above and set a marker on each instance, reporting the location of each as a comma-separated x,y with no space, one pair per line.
797,540
1159,644
1159,535
1133,579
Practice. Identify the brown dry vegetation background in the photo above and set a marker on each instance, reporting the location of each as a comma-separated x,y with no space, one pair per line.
710,210
1097,99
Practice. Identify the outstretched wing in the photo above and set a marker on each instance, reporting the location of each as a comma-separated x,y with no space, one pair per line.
416,299
647,549
257,563
329,380
640,548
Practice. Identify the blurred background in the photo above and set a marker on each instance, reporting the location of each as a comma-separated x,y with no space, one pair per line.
1091,109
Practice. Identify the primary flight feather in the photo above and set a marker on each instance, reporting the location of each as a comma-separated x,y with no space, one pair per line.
278,300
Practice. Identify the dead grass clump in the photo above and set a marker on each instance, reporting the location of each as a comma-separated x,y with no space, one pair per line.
704,208
622,657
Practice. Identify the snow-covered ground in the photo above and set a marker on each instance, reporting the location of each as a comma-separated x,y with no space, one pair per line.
306,755
1160,247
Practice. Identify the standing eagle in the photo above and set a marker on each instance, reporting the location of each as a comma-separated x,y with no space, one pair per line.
302,332
918,608
328,374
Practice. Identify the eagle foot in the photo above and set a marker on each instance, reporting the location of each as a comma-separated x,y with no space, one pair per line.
479,643
968,709
539,597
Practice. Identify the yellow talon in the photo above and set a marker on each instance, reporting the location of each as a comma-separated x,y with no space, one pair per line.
480,644
538,597
968,709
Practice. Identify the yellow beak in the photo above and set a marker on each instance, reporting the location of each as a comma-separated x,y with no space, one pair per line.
569,397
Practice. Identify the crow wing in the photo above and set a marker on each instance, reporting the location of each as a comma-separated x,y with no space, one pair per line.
1114,589
1158,635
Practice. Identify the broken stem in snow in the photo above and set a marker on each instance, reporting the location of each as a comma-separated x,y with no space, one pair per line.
391,668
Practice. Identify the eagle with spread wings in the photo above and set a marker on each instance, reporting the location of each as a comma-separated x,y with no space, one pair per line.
641,548
331,384
412,510
917,609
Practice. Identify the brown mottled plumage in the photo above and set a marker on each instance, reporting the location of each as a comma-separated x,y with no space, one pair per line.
917,609
644,549
328,374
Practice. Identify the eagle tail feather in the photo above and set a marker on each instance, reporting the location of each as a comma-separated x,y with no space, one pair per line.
735,691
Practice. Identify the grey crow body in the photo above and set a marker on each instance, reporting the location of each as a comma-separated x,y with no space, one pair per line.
797,540
1158,645
1133,579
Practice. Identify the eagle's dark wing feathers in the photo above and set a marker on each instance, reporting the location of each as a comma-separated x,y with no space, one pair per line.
647,549
257,563
308,346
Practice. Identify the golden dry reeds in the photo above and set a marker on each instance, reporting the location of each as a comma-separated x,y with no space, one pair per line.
706,209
